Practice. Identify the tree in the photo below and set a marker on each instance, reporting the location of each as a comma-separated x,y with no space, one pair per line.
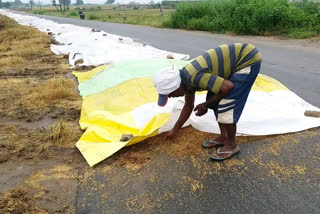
54,3
110,2
68,2
79,2
31,2
62,4
65,4
6,5
17,3
39,4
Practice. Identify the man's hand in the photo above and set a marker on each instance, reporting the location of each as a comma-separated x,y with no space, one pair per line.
200,110
170,134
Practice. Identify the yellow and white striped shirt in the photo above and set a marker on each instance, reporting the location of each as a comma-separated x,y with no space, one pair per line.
207,72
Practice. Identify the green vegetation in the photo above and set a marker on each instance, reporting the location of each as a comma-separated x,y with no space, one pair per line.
39,12
72,13
299,19
130,14
302,34
93,17
257,17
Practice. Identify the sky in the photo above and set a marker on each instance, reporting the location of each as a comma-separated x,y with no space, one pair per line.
91,1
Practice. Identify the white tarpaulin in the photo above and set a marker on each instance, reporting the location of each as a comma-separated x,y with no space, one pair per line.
94,48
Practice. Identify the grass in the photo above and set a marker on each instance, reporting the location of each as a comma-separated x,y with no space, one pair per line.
31,98
26,51
12,61
35,91
251,17
19,43
32,82
32,86
143,16
302,34
58,91
32,79
64,133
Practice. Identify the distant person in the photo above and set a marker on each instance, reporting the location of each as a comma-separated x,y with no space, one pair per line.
161,11
81,15
227,73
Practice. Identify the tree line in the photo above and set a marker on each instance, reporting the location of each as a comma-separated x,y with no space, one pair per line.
16,3
60,4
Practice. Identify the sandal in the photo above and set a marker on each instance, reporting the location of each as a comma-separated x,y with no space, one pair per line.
213,142
230,153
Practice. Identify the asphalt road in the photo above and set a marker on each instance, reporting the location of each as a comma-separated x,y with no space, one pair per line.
276,174
295,63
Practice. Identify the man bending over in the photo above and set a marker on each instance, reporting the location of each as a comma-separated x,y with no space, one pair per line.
227,73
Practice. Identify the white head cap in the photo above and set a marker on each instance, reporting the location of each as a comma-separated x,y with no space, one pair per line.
166,81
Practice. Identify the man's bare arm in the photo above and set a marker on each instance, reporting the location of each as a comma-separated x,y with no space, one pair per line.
225,89
184,115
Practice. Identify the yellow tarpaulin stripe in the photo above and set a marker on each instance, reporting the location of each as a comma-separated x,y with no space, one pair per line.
107,115
98,142
267,84
84,76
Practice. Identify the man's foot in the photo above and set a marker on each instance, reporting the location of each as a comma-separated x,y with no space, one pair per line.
220,138
219,141
224,153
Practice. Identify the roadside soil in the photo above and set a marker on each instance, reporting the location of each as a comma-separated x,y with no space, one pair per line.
39,110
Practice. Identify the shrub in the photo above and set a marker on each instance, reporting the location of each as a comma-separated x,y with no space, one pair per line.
39,12
298,34
247,16
93,17
73,13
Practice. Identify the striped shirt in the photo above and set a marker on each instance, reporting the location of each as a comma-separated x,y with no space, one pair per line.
208,71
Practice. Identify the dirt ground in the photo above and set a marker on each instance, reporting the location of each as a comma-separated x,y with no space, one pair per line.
39,111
